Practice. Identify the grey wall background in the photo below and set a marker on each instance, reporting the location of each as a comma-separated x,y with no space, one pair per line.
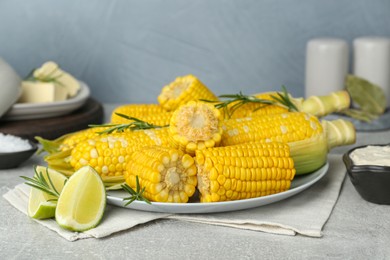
127,50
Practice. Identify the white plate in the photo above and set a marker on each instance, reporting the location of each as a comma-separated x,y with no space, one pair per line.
22,111
299,184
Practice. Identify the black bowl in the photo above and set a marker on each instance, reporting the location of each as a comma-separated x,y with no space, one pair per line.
372,182
14,159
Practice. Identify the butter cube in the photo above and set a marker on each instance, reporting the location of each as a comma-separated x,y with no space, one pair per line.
51,69
42,92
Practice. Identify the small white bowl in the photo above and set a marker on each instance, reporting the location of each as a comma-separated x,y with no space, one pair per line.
10,86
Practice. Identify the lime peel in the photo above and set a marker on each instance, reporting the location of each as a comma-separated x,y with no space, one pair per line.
42,205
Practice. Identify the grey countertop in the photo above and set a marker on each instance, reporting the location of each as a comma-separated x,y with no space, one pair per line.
355,230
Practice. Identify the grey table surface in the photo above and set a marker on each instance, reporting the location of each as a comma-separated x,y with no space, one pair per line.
355,230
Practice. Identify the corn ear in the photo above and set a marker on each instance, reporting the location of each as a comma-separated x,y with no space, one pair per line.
243,171
195,126
166,174
182,90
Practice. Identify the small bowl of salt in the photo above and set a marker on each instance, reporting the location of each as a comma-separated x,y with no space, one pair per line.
15,150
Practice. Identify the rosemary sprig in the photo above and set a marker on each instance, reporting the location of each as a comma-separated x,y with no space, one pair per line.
135,194
238,100
39,182
282,99
137,124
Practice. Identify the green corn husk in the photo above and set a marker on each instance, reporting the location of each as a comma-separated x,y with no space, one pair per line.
310,154
324,105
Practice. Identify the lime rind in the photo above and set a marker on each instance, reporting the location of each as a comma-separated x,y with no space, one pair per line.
42,205
45,210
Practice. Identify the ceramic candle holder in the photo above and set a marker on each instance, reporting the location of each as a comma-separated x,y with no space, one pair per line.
372,61
326,66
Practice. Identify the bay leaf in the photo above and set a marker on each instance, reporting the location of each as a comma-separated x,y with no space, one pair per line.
368,96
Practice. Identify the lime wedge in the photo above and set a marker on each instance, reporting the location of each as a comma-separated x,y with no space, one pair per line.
82,201
42,205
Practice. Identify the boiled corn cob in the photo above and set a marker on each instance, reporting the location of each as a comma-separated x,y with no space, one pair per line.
68,141
107,154
195,125
243,171
247,106
167,174
182,90
309,139
151,113
285,127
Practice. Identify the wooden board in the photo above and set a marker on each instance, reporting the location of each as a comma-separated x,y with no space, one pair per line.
50,128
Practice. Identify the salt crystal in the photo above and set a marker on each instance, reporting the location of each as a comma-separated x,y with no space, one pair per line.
11,143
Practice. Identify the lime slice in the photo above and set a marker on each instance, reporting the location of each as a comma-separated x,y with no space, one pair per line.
42,205
82,201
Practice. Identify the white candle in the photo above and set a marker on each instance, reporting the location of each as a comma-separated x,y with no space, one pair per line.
372,61
326,66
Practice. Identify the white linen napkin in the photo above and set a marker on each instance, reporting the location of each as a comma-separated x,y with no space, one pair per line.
305,213
115,219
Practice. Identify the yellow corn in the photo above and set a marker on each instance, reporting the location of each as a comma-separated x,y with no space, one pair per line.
107,154
243,171
255,109
182,90
167,174
285,127
68,141
151,113
195,125
309,139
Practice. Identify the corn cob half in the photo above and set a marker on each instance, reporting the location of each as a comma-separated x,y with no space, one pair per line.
167,174
243,171
195,125
182,90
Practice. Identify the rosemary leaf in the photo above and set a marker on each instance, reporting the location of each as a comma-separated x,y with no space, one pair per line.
39,182
235,101
136,124
284,99
134,194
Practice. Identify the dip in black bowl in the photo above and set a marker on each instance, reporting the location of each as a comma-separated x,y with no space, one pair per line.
368,168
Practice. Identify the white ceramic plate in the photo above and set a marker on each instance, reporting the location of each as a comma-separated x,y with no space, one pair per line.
23,111
299,184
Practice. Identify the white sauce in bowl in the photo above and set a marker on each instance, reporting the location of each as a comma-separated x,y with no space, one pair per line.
371,155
